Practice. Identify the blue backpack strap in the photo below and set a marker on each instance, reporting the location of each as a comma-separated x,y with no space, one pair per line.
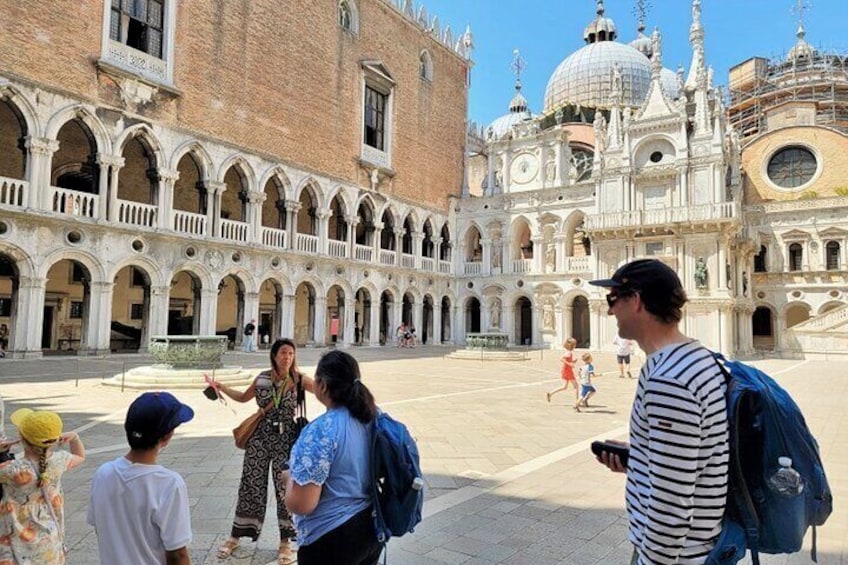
375,478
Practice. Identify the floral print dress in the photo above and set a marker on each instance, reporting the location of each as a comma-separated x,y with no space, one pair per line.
30,533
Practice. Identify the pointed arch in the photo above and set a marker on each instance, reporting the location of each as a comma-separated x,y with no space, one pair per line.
343,195
311,183
425,66
145,135
277,174
243,167
19,103
87,116
200,155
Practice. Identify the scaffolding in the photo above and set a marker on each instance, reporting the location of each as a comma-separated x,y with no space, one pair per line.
816,82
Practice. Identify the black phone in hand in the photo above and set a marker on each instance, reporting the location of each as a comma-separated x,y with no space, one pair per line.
623,452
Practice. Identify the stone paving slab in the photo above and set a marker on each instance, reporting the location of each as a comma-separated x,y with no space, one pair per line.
509,477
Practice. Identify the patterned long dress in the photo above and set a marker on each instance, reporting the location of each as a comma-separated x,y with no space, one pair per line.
269,446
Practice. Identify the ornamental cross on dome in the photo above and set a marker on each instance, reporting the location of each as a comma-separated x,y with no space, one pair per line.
641,12
518,65
800,9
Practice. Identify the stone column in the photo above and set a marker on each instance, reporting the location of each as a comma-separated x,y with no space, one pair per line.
25,333
114,166
398,246
377,234
508,322
597,313
349,321
251,311
208,311
158,315
98,329
437,253
41,152
722,264
167,179
374,324
683,185
561,259
320,320
417,254
323,230
292,208
538,254
254,217
458,329
487,257
214,191
418,319
352,221
437,322
397,318
287,327
726,328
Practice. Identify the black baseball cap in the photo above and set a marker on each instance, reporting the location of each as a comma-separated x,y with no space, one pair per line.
153,415
656,282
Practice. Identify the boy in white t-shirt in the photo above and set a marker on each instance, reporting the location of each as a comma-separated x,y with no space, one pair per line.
139,508
584,377
623,351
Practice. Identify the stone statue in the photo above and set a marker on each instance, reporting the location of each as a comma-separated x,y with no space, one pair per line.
548,316
744,283
550,257
496,313
701,273
375,178
558,116
600,126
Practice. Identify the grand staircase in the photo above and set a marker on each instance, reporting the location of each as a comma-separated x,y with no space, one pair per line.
825,335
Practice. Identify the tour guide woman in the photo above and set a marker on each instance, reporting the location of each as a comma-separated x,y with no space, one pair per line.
270,445
330,488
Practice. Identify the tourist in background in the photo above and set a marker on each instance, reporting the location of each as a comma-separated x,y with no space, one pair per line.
276,392
623,351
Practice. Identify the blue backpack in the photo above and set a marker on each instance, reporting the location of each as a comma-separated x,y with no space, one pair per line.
396,478
764,425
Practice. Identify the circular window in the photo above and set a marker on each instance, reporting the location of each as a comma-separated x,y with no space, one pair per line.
485,207
4,227
339,270
792,167
309,266
365,274
236,257
275,262
519,284
138,245
656,156
74,237
796,294
761,295
470,285
190,252
834,293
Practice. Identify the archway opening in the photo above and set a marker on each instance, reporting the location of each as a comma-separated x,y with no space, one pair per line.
796,314
184,304
472,315
763,328
304,314
406,314
13,133
426,331
446,319
386,307
270,326
362,318
580,321
336,315
67,297
130,324
230,319
9,281
523,321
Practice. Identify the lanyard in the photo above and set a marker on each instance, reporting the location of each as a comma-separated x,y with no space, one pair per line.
277,393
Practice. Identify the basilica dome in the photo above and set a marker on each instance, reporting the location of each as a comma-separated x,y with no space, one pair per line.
518,112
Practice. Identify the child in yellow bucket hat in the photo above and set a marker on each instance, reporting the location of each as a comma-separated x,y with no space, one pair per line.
35,532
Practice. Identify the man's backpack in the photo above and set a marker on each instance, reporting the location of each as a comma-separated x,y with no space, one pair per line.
396,477
765,424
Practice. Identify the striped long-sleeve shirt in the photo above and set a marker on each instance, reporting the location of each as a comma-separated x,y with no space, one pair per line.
677,471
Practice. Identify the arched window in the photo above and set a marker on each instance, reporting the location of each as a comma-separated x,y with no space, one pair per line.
348,18
832,255
796,256
425,66
760,260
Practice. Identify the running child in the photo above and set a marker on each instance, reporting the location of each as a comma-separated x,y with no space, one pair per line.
587,389
569,362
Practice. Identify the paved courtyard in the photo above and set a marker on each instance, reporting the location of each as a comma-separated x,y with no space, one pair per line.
509,477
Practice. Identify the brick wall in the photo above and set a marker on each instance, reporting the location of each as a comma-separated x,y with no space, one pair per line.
281,79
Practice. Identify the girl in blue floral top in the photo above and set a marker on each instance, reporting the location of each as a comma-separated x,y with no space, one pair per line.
330,490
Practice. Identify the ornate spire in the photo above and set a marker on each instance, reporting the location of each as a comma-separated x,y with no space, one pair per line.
642,43
802,49
518,103
601,28
696,38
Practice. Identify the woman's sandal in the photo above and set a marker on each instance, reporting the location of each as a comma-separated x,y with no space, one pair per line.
286,556
227,549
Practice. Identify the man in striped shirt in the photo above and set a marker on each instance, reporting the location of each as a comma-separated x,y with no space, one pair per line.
677,466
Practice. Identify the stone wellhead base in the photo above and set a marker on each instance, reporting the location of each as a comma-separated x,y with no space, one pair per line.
488,355
163,376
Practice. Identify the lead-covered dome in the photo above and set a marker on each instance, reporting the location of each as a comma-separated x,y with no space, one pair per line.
518,112
585,77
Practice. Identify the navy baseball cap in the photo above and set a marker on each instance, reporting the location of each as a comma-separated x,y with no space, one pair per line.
656,282
153,415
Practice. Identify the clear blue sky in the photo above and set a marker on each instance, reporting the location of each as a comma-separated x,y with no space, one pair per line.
547,31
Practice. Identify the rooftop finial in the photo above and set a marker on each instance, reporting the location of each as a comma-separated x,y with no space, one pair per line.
518,65
600,9
641,12
800,9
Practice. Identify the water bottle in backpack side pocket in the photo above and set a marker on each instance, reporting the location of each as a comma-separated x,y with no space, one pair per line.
786,481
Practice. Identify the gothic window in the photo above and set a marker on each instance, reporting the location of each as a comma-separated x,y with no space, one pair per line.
425,66
760,260
792,167
796,255
375,118
832,255
582,161
138,24
345,17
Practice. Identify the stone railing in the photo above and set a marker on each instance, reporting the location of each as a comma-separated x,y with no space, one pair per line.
387,257
136,213
577,264
307,243
234,230
188,351
522,265
445,267
473,268
274,237
13,192
407,260
489,340
337,248
719,211
74,202
364,252
188,222
427,264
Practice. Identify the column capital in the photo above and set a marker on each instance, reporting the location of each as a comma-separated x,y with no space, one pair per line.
41,145
160,290
378,226
256,197
114,161
31,282
292,206
399,232
215,187
168,175
352,220
323,214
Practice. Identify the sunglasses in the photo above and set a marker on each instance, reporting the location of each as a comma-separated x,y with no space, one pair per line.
613,297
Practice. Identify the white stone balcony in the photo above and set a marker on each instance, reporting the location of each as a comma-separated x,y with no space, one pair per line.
717,212
74,202
274,237
445,267
307,243
234,230
136,213
337,248
13,192
407,260
387,257
473,267
428,264
188,222
520,266
577,264
364,252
